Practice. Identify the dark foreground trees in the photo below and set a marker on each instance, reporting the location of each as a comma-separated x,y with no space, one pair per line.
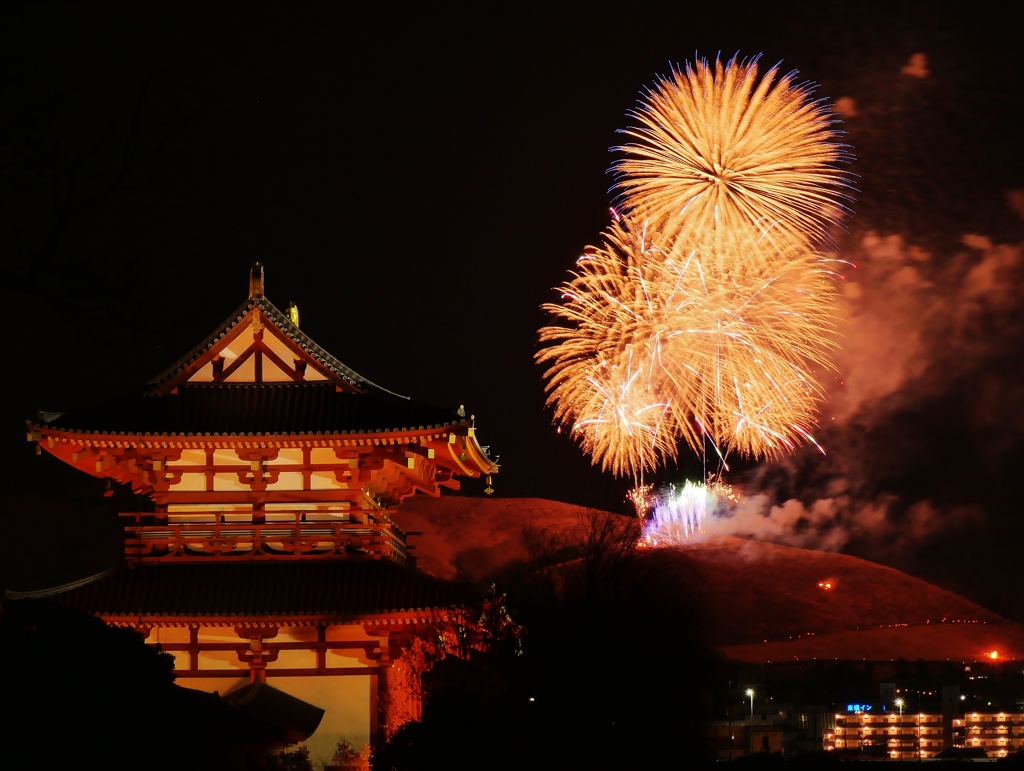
76,692
612,671
73,687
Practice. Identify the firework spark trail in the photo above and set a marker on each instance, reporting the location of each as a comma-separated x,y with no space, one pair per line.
706,311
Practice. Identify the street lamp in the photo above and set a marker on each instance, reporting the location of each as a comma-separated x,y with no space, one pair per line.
899,703
750,693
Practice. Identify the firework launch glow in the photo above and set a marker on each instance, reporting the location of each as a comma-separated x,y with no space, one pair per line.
677,514
706,311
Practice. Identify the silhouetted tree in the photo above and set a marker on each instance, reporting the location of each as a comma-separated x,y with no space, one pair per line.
76,690
612,671
73,684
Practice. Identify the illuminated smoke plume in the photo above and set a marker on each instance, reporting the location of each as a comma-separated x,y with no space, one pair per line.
922,421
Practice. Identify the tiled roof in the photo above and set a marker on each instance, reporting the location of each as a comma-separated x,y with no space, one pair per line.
282,321
335,588
264,408
267,704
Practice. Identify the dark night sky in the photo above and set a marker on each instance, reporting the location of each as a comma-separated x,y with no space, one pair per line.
417,181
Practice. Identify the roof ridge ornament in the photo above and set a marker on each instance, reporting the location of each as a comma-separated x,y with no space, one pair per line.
258,314
256,281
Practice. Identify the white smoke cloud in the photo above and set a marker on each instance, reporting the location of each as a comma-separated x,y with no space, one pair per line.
832,524
820,525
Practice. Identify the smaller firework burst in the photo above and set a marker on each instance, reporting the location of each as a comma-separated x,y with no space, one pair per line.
642,499
720,492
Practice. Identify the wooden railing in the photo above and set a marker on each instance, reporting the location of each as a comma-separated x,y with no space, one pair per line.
152,540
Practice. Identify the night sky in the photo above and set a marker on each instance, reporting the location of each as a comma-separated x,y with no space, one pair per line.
418,180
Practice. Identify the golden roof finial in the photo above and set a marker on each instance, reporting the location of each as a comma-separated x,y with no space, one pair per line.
256,281
293,314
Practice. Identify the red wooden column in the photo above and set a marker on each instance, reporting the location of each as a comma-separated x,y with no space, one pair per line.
257,656
375,722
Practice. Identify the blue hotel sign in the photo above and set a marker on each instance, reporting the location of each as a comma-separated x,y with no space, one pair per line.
858,707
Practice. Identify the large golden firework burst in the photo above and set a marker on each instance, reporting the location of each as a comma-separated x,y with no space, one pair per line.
721,154
707,311
688,343
750,328
604,372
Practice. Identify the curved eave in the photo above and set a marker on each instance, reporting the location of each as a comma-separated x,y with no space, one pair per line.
463,454
400,617
477,456
455,445
146,439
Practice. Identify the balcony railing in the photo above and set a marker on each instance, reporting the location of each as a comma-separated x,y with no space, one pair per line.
150,540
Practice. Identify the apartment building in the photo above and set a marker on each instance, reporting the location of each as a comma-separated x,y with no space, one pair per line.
925,735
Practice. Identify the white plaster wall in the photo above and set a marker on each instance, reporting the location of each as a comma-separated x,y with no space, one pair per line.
346,701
